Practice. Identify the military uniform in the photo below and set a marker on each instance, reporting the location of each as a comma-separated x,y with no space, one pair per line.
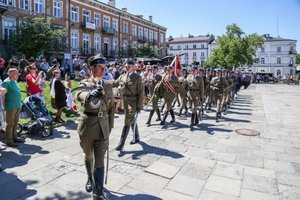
183,94
133,94
94,128
154,80
170,81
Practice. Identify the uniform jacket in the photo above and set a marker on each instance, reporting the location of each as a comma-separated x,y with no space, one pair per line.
88,123
195,87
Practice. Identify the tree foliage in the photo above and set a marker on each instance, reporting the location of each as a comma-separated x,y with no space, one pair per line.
138,52
298,59
36,37
235,49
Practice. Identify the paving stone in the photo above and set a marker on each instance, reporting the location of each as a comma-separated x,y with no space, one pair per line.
46,192
260,184
248,160
288,158
117,181
27,168
198,152
149,183
207,194
259,172
297,168
279,166
162,169
291,150
195,171
223,185
216,147
251,195
226,157
15,189
186,185
53,157
273,148
264,154
229,170
171,195
6,177
178,162
203,162
70,181
289,192
127,169
288,179
131,193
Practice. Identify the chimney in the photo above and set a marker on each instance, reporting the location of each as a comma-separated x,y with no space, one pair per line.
112,3
124,9
150,18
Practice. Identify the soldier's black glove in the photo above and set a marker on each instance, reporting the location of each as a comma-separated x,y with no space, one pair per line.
96,93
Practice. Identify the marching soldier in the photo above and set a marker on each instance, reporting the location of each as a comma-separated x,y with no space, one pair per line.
170,86
133,93
195,87
154,81
209,96
183,93
225,90
95,125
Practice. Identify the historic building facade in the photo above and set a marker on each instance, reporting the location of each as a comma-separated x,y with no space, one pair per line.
93,27
194,48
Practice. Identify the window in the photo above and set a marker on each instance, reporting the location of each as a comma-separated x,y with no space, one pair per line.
125,45
146,33
202,54
97,20
171,47
115,45
9,27
186,47
178,47
125,27
162,38
262,50
151,36
155,36
262,61
39,6
202,46
278,49
194,54
194,46
9,2
106,21
278,60
57,8
24,4
74,14
86,43
134,33
115,25
86,16
97,43
74,40
140,35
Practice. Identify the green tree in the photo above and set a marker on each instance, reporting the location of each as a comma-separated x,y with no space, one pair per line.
36,37
298,59
235,48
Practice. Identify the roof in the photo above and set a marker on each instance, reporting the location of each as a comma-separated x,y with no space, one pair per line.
269,38
207,38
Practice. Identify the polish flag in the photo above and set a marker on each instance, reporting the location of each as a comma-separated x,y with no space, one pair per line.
176,64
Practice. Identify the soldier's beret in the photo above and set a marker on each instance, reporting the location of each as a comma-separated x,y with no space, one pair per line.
129,62
31,59
154,67
168,67
97,59
200,69
194,68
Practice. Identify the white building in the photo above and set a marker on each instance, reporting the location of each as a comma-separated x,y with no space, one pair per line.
277,55
194,48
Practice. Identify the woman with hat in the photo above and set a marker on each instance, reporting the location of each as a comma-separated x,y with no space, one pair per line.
58,92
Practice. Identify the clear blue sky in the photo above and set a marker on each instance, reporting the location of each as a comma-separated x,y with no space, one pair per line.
199,17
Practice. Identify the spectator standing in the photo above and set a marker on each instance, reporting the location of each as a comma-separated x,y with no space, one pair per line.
12,107
2,123
33,80
45,66
76,66
85,73
58,92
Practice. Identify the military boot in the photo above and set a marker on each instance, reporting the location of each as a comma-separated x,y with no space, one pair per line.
186,110
158,115
172,115
165,117
196,119
192,122
124,135
149,118
89,170
98,192
180,112
136,137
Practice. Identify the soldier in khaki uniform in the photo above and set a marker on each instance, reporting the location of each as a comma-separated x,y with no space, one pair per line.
133,94
225,90
183,93
170,88
95,125
195,88
156,93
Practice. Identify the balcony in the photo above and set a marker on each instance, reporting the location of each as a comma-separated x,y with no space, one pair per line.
3,7
108,30
292,52
88,25
87,51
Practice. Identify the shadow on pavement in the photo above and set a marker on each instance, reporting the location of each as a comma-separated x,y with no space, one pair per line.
123,196
210,128
147,149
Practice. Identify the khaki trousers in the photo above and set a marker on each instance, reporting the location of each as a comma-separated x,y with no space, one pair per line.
12,119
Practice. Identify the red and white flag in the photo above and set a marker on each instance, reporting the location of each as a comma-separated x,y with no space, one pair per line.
176,64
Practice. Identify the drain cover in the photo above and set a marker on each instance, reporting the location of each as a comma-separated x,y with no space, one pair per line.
248,132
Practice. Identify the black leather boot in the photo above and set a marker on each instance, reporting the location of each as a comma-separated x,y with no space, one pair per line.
165,117
186,110
180,112
196,118
192,122
89,170
172,115
136,137
124,135
158,115
98,192
149,118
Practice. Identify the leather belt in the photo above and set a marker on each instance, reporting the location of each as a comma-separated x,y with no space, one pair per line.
95,114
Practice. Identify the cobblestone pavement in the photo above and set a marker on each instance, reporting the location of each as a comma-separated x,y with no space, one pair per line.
171,162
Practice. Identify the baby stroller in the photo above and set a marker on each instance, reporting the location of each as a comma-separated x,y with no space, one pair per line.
40,119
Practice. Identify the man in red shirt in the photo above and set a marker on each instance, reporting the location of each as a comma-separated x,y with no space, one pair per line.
32,81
